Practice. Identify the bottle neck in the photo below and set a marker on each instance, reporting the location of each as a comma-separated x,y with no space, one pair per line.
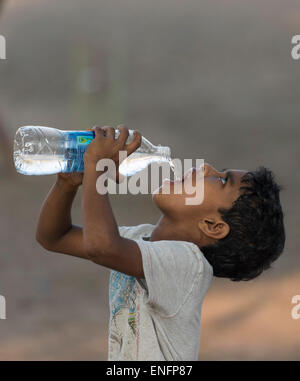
165,152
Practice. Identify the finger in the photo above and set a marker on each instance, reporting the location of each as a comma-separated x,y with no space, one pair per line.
109,132
135,143
123,136
98,131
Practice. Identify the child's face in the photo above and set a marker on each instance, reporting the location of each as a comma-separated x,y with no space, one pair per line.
218,193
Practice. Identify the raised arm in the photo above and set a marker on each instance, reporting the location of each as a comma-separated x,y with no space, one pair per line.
99,239
102,241
55,231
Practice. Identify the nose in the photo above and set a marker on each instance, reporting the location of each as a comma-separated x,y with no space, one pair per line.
209,170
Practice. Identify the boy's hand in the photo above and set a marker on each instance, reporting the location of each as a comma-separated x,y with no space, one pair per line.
105,146
71,180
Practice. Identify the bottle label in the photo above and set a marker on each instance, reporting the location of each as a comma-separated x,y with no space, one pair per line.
77,143
84,139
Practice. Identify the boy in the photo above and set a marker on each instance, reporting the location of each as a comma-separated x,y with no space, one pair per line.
162,272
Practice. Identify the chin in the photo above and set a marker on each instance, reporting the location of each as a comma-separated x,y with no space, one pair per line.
156,195
159,198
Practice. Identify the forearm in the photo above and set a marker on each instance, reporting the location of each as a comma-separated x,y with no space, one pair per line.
55,217
102,241
100,230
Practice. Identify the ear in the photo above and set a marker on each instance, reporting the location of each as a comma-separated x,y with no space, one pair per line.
215,229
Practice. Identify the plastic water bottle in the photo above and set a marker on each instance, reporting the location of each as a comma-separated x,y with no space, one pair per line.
45,151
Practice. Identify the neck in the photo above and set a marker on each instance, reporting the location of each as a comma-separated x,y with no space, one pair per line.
167,229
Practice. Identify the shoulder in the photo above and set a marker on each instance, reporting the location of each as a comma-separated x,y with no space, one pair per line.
137,231
182,254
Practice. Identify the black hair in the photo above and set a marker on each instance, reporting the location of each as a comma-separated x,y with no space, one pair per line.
257,234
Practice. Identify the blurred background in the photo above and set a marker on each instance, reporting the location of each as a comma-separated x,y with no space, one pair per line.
212,80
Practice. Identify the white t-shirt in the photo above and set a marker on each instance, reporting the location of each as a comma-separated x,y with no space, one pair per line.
159,317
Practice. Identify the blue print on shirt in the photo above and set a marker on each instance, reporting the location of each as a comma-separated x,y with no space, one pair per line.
122,292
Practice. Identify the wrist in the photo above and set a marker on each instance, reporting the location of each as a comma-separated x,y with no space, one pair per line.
66,185
90,166
89,161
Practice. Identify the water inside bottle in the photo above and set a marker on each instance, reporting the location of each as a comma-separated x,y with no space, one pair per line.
40,164
138,161
36,153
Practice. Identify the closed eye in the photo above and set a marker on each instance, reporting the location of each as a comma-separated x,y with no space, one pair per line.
223,181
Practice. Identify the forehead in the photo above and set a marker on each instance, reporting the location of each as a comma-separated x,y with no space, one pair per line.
239,173
235,175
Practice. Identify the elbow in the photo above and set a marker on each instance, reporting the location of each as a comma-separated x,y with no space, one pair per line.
44,243
39,239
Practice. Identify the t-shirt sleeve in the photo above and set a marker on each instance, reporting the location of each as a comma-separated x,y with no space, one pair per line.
136,231
125,230
171,270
